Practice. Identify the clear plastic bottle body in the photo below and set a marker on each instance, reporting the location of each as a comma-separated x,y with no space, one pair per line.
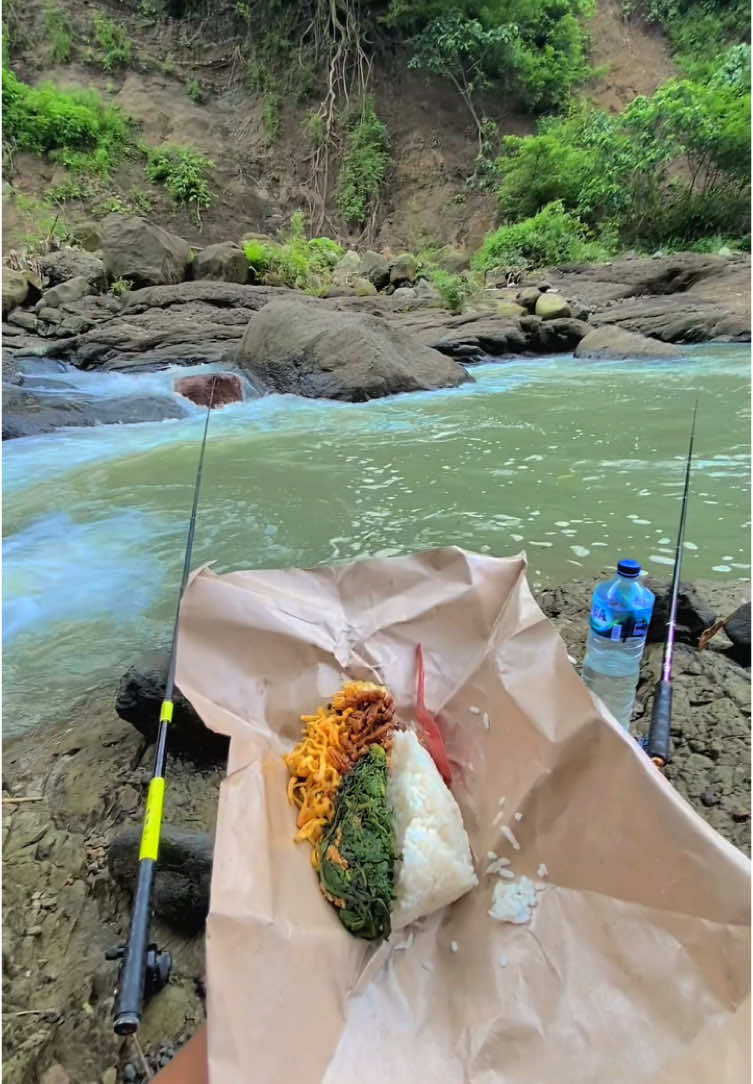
620,615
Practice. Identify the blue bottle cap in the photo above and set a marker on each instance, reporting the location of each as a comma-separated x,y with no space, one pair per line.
630,569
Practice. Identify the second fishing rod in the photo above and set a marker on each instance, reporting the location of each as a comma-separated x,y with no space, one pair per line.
144,966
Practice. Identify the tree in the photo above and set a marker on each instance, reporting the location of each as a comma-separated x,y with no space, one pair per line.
464,51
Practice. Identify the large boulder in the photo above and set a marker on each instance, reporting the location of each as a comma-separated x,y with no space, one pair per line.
67,263
403,269
551,306
18,289
142,253
182,877
453,259
302,349
613,344
737,627
225,262
139,699
198,388
510,308
376,269
27,413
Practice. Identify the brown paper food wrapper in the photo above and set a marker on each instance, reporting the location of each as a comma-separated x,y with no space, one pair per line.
635,965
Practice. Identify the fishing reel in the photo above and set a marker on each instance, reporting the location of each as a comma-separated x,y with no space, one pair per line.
157,967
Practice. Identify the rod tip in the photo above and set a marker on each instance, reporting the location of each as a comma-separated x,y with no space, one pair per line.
126,1023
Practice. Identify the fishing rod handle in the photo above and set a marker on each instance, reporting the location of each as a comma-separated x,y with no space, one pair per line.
661,723
133,972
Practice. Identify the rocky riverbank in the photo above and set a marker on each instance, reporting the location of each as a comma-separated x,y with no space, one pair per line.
146,299
73,800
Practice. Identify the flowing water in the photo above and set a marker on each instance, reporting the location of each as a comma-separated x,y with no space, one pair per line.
577,463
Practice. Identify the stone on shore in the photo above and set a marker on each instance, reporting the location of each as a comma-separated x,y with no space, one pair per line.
323,354
614,344
142,253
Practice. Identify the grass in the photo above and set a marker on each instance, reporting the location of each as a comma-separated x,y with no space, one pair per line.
113,44
185,174
296,262
59,33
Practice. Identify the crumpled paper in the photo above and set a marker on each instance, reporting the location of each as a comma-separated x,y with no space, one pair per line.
635,965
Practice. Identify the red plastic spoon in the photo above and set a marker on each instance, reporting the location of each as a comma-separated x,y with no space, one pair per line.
430,732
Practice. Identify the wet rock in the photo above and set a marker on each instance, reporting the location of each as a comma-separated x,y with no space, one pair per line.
694,614
222,388
139,699
27,414
182,877
311,351
225,262
615,344
143,253
737,627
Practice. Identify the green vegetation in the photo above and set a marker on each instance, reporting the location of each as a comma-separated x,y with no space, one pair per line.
271,116
113,44
536,52
296,262
364,166
45,226
550,236
58,29
195,91
453,289
669,170
185,174
698,30
119,287
75,128
357,851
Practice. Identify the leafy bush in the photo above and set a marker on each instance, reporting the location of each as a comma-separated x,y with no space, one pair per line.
184,172
698,30
271,115
454,289
195,91
552,236
58,30
671,167
364,166
296,262
113,41
74,127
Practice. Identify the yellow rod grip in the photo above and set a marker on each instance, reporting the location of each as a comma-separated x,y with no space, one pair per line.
152,819
166,712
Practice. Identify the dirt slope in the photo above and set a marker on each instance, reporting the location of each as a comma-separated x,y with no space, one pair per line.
257,185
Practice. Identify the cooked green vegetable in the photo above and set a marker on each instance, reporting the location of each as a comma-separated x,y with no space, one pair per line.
357,851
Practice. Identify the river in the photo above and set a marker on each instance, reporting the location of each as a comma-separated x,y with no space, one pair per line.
577,463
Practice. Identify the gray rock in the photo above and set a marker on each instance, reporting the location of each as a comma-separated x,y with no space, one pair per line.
551,306
65,292
693,613
27,413
362,287
68,263
225,262
510,308
737,627
19,288
376,269
308,350
87,235
182,877
612,343
453,259
404,293
143,253
23,318
138,702
426,291
403,269
528,297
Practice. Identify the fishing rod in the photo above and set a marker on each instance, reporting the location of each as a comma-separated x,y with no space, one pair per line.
145,969
657,745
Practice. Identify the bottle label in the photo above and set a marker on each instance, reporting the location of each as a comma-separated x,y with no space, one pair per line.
618,626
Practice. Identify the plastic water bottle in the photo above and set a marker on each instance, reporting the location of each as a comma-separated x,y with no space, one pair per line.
620,615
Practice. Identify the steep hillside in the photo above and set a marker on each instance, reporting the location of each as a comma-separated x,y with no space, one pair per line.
186,81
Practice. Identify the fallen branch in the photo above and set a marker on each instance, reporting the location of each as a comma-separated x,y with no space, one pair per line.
25,798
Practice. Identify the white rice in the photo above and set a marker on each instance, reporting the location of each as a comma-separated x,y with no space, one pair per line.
436,866
542,871
508,834
514,902
474,710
